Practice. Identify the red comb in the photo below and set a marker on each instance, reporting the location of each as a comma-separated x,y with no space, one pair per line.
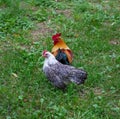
56,36
44,52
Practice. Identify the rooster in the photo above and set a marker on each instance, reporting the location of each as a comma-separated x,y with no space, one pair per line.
60,50
59,74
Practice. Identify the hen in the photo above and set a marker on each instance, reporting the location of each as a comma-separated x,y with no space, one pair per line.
60,50
59,74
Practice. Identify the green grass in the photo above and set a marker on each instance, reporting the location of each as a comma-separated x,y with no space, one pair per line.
92,31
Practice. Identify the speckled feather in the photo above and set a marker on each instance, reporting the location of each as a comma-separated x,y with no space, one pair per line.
60,75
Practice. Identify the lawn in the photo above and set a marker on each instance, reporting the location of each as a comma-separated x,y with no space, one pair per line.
91,28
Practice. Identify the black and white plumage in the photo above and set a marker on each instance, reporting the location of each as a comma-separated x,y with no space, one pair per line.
60,75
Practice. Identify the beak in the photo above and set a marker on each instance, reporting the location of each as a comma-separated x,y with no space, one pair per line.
44,55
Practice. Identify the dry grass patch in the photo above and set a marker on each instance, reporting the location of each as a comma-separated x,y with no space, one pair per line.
114,42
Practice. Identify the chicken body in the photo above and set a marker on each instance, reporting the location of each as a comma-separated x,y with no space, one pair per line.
60,75
61,51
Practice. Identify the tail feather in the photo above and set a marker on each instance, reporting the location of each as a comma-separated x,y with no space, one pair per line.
78,77
62,57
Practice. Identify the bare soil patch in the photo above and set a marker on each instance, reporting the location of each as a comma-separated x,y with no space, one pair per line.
66,12
41,31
